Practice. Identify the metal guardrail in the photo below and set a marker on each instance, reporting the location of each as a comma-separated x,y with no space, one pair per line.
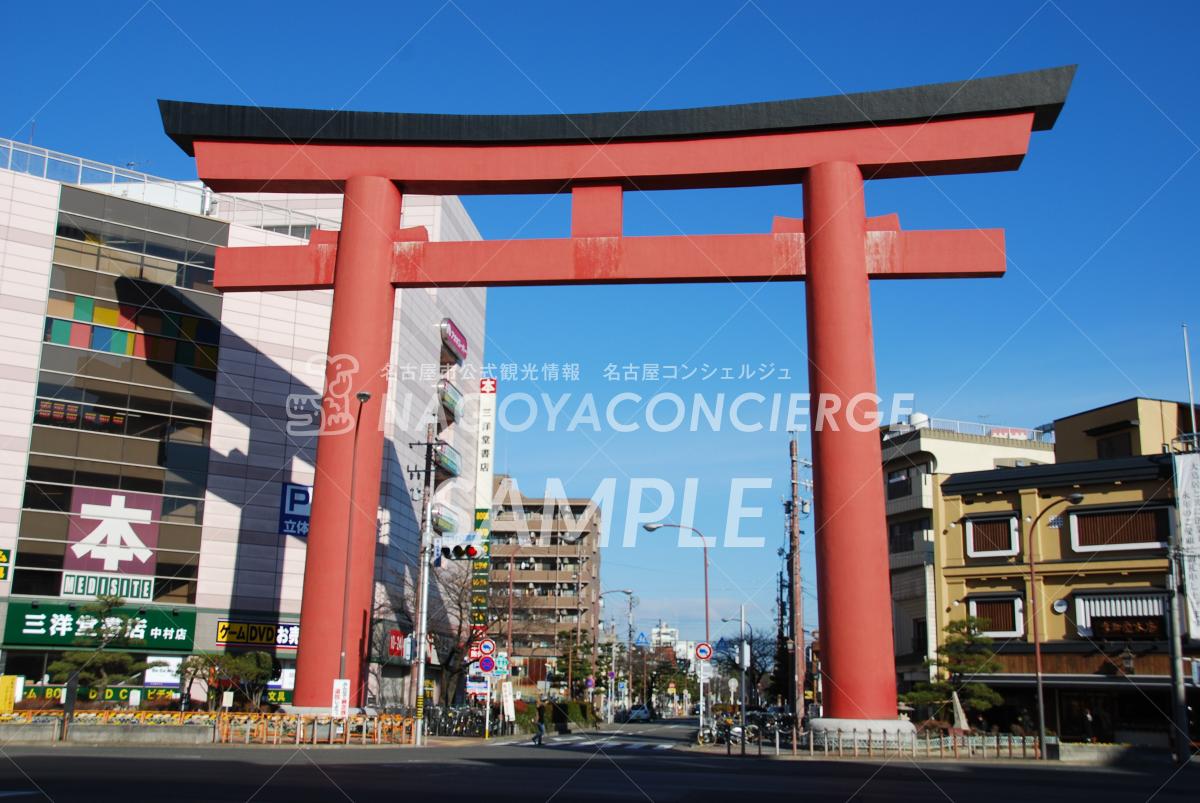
314,729
867,743
977,428
235,728
21,157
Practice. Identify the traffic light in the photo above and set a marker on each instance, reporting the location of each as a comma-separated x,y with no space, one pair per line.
460,547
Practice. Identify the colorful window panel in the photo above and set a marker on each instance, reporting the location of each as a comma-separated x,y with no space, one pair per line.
123,329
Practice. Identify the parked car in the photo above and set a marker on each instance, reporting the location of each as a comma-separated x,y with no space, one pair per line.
639,713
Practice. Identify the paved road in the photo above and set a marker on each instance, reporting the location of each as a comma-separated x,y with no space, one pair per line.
634,762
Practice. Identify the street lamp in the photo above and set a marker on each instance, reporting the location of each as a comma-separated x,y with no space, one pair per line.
1034,599
652,526
628,592
363,397
743,660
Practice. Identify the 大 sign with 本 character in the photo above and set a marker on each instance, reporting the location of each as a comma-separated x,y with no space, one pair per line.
51,625
280,635
112,531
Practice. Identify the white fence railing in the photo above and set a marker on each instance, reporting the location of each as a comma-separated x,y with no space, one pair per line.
190,197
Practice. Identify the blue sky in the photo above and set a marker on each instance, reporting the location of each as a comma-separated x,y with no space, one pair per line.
1098,218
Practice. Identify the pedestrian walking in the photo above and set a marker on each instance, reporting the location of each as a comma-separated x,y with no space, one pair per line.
541,726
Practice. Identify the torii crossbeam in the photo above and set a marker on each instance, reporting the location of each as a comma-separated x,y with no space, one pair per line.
828,144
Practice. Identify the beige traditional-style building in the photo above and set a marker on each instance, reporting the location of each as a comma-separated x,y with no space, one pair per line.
1097,523
917,456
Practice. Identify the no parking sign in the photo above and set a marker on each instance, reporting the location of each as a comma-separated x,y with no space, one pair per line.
704,651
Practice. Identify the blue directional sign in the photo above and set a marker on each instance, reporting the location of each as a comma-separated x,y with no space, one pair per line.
642,641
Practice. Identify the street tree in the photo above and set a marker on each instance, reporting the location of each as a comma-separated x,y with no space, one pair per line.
102,658
762,661
964,655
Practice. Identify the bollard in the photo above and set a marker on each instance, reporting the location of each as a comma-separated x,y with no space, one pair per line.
869,745
854,738
777,742
728,743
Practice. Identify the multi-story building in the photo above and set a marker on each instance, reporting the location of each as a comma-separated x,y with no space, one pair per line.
546,571
918,456
1097,525
158,438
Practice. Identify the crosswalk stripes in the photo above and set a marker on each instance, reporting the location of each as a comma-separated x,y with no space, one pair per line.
577,742
607,745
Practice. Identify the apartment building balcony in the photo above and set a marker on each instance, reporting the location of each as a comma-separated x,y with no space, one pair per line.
535,522
566,601
503,550
918,553
911,494
500,576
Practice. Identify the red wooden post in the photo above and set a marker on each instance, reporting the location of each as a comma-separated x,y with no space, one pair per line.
852,562
361,327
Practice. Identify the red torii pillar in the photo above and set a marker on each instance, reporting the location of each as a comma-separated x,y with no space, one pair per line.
828,144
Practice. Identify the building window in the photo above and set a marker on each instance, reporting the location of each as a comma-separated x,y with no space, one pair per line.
899,483
1118,530
1122,616
1000,617
1118,445
920,637
993,536
901,535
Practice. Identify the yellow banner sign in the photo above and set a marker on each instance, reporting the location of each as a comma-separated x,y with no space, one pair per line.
258,634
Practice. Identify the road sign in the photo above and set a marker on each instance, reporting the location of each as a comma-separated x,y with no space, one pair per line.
612,674
706,670
340,706
501,665
641,641
590,682
487,663
487,647
704,651
620,685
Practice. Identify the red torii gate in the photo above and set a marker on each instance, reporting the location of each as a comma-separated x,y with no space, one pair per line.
828,144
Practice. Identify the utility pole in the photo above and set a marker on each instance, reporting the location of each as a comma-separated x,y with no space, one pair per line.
796,592
420,640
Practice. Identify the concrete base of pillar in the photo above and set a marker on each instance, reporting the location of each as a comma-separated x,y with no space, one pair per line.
861,729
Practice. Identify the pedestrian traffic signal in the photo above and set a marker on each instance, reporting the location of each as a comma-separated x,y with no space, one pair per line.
460,547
